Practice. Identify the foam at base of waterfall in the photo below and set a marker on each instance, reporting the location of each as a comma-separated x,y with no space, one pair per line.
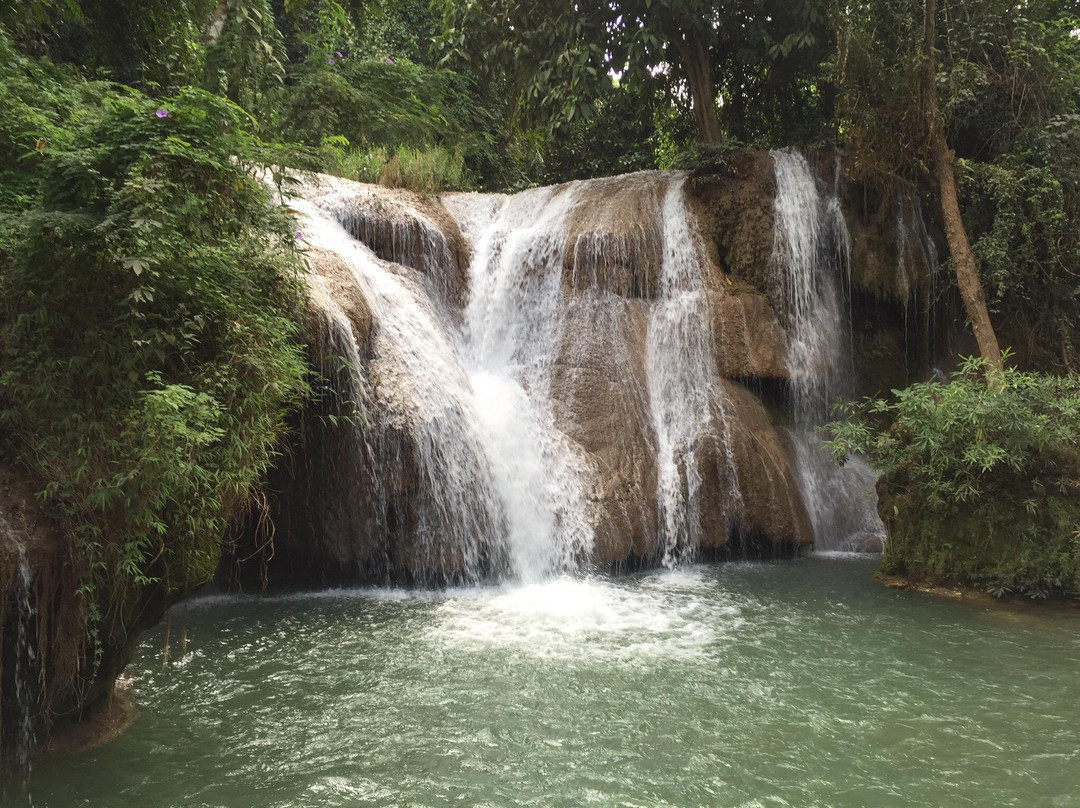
571,618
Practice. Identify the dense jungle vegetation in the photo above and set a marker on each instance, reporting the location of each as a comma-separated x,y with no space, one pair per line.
150,287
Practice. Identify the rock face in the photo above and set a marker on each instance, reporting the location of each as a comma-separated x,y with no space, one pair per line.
528,416
45,675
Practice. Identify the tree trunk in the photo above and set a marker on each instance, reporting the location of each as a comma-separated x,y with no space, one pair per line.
943,166
698,65
216,23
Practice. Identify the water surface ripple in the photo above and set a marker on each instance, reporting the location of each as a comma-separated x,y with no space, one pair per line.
790,684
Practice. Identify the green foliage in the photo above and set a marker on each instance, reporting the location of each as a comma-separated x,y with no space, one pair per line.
1022,213
38,100
1008,86
370,102
432,169
979,479
955,442
613,139
558,58
149,352
244,59
139,42
707,158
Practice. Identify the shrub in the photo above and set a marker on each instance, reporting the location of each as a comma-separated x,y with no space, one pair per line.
981,483
148,350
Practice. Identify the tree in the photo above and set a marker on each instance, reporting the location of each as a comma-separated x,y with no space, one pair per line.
943,168
561,55
890,80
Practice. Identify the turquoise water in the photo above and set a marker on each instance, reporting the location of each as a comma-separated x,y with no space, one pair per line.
790,684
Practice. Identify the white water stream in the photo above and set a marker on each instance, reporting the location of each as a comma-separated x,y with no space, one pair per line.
812,260
684,388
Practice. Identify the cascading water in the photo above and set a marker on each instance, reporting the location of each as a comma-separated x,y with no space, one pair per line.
811,257
811,250
684,388
477,398
25,658
513,326
420,388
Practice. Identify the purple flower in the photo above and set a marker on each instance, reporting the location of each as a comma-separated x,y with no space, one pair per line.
162,113
331,60
389,61
339,54
299,236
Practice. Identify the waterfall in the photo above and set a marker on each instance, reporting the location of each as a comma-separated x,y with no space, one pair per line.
22,654
684,388
25,657
915,253
535,375
513,326
811,259
811,256
419,387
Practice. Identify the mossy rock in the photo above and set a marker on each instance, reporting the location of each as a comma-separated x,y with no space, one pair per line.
1005,542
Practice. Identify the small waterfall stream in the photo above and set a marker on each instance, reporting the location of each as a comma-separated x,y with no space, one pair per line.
811,257
21,654
513,326
25,658
684,388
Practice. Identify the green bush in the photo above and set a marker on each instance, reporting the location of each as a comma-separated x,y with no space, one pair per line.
981,483
431,169
148,341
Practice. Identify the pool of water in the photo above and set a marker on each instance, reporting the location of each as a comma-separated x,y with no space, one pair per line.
789,684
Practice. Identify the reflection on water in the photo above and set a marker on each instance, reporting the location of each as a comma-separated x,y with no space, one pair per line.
799,684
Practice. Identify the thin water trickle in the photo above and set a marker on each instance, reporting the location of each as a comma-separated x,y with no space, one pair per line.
25,658
16,788
812,261
684,387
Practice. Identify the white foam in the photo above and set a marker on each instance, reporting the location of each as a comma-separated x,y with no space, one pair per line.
570,618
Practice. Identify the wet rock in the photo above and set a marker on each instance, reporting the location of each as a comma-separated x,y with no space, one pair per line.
746,478
750,342
598,385
614,240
